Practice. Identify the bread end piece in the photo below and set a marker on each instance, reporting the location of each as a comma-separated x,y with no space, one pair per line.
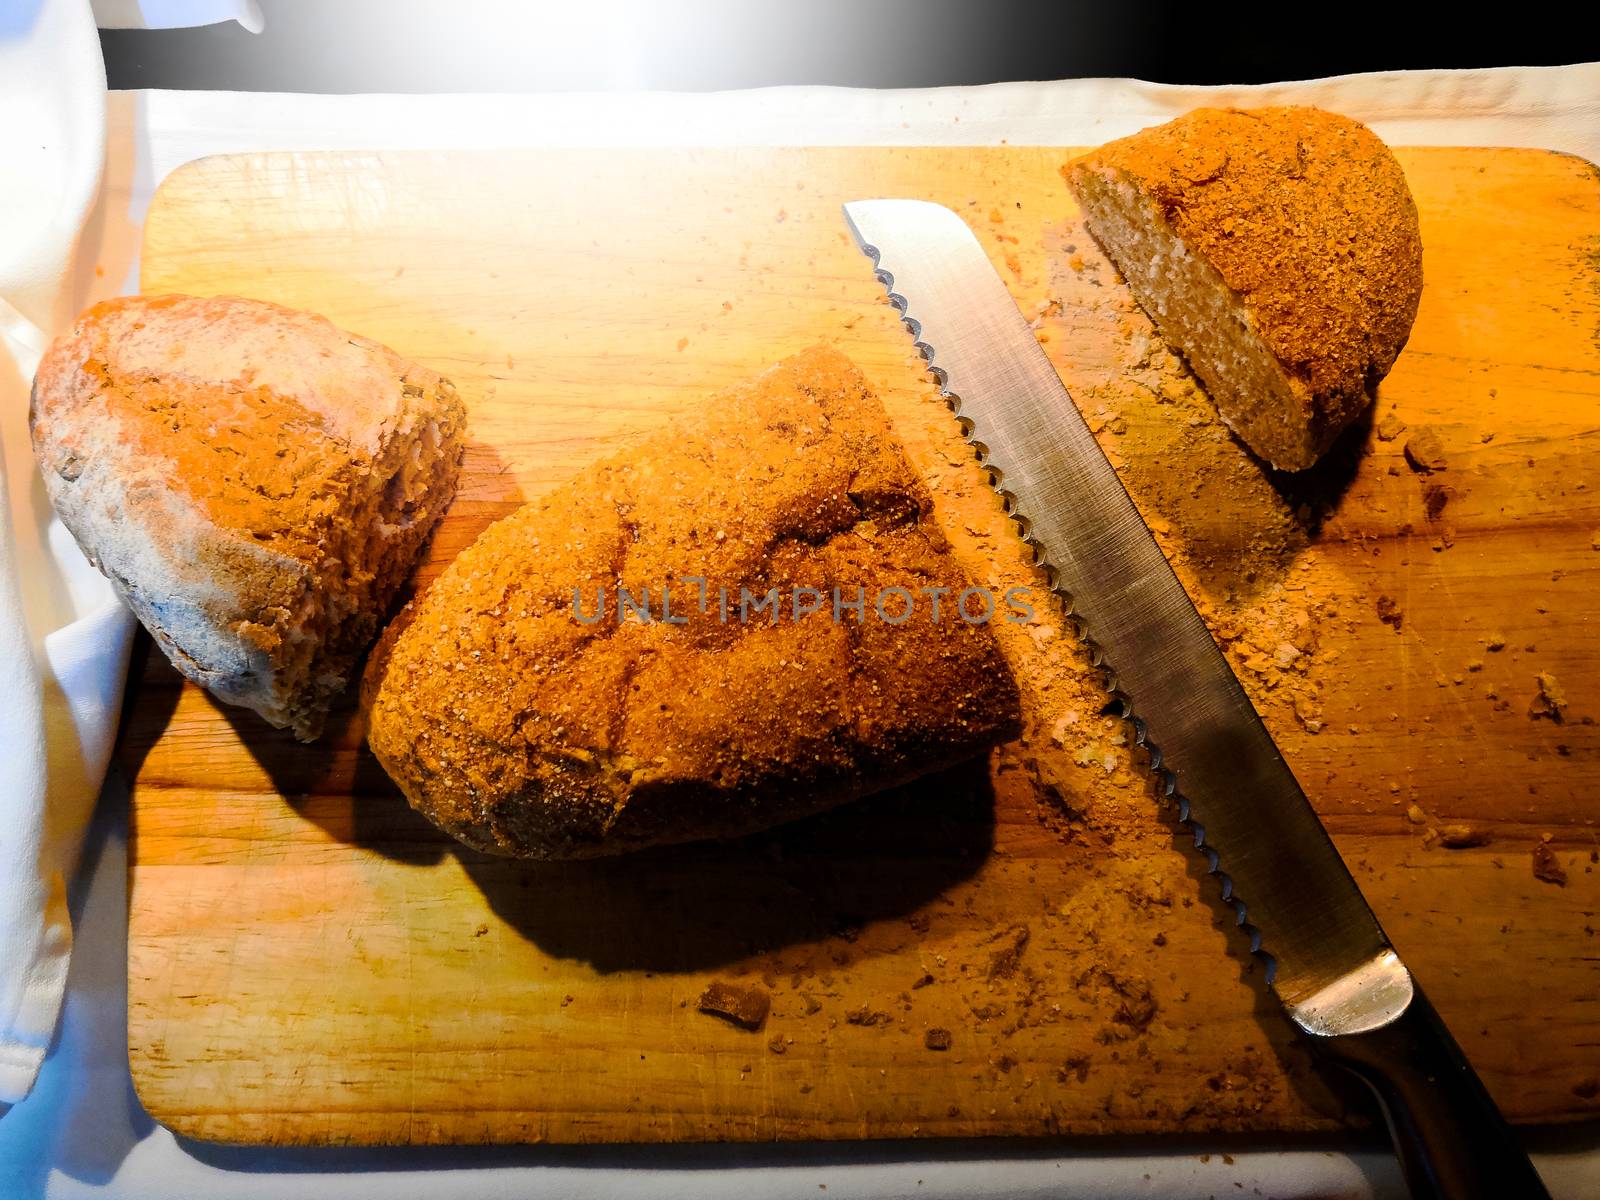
255,482
1278,249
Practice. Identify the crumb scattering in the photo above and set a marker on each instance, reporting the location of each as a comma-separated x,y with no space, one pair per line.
867,1016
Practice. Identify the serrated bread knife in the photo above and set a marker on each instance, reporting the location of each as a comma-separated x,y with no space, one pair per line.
1328,961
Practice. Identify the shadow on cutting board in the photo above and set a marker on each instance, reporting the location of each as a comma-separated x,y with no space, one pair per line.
696,906
335,782
1315,493
676,908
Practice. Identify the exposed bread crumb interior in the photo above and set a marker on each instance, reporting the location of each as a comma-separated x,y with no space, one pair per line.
362,553
1195,309
1278,249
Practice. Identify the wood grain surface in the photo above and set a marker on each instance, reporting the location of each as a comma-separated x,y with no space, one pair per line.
310,962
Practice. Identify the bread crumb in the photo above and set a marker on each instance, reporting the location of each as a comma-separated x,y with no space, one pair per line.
1547,866
937,1039
867,1016
1460,836
1424,451
1550,701
1389,426
1058,731
744,1005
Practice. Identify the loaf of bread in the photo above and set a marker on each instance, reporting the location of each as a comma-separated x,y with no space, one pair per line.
526,719
1277,249
255,482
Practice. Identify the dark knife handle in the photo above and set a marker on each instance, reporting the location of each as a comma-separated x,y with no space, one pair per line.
1452,1142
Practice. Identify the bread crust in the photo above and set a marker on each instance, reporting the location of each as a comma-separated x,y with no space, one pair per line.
254,481
521,730
1306,216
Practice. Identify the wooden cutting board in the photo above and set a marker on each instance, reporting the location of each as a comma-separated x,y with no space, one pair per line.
309,962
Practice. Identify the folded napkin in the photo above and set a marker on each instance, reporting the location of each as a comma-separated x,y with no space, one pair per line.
63,635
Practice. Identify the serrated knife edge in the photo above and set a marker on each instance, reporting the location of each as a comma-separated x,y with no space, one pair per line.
1328,960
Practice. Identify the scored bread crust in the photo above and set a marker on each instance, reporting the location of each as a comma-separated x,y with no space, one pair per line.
522,730
1305,217
255,482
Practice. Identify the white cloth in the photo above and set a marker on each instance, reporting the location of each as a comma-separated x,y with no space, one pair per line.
82,1135
63,636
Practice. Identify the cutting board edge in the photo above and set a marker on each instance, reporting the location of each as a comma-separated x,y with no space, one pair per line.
185,1121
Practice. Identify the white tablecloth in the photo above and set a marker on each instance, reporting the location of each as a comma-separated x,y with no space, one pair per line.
82,1133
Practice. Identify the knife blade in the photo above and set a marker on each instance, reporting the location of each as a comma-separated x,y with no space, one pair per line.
1328,960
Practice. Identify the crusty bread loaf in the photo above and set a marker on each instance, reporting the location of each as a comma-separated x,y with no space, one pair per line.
1277,249
255,482
521,729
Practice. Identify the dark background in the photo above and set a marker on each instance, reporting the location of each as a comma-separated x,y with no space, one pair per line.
541,45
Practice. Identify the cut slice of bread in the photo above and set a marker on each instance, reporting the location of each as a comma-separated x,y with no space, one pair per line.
524,720
1277,249
255,482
